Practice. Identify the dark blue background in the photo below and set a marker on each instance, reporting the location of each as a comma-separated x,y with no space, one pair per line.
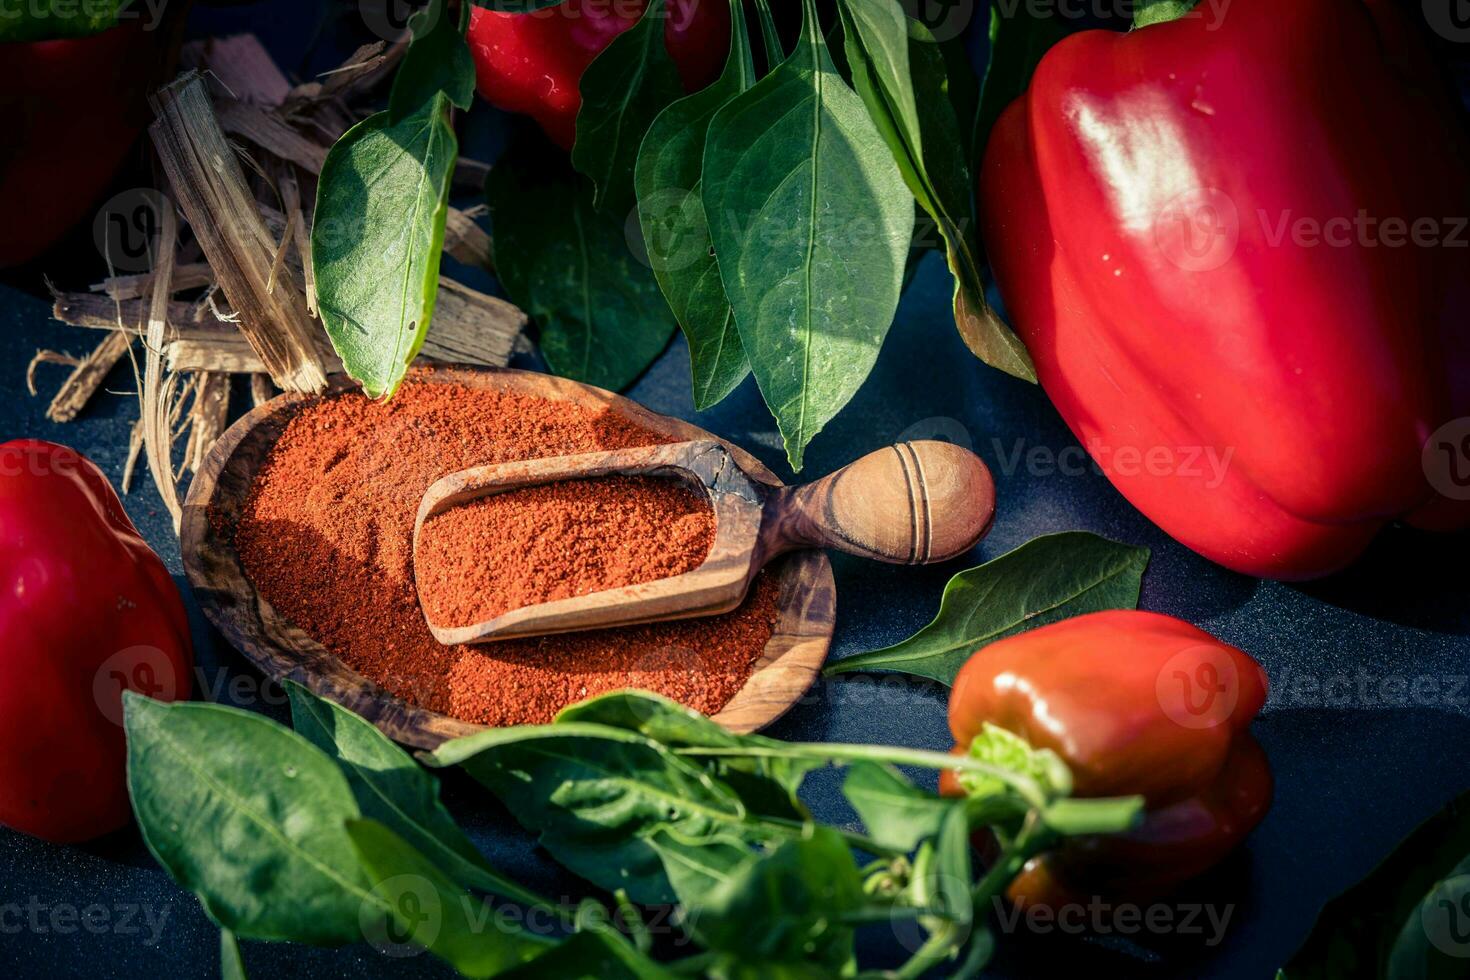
1354,774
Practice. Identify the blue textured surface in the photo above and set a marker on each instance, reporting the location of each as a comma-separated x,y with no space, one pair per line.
1358,763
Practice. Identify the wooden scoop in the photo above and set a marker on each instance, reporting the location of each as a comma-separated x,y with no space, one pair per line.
909,504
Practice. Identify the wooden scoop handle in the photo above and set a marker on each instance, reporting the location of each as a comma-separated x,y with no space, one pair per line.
909,504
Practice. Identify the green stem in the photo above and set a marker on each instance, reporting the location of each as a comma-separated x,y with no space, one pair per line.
852,837
1026,787
1148,12
938,947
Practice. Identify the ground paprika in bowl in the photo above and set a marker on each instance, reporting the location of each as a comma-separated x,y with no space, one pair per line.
297,538
1135,703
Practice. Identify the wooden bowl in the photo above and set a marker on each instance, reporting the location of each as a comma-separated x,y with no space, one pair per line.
786,669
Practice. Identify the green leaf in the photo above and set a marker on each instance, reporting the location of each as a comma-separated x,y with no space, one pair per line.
623,90
47,20
770,37
785,908
1149,12
392,789
600,954
1017,43
437,61
897,813
950,874
376,239
767,787
1409,918
594,794
249,816
697,865
432,912
676,234
811,223
900,72
601,315
1049,578
231,965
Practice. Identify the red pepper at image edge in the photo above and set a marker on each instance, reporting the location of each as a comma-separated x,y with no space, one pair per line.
86,610
532,63
1205,233
1135,703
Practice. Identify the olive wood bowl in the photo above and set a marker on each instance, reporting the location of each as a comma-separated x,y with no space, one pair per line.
784,672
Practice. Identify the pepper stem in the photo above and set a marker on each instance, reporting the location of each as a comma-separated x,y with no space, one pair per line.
1147,12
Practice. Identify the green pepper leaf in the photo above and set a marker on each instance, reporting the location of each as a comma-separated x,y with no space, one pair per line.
434,913
814,285
767,787
623,90
392,789
376,238
48,20
1049,578
594,794
785,909
900,72
671,214
231,965
601,315
1409,918
437,61
249,816
897,813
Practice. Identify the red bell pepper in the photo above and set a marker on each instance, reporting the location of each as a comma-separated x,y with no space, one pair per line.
1134,703
533,63
86,610
1236,246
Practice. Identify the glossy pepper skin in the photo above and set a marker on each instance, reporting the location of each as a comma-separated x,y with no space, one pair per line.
86,609
1173,217
533,63
1134,703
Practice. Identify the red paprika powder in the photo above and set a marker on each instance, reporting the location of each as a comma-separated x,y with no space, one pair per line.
326,536
537,544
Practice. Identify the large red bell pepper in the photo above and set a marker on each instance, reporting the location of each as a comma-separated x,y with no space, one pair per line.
1134,703
1236,246
86,611
533,63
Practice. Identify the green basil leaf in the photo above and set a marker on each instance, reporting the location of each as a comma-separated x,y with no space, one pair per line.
437,61
598,954
811,223
249,816
231,965
49,20
697,865
1409,918
1049,578
767,787
392,788
376,238
900,72
671,214
1017,42
951,876
786,907
594,794
432,912
599,309
623,90
897,813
